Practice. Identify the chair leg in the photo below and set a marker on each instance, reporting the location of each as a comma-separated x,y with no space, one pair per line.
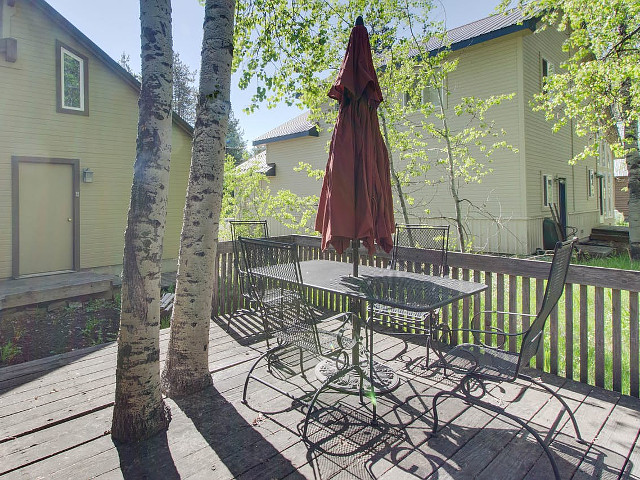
576,429
499,411
304,375
249,375
335,376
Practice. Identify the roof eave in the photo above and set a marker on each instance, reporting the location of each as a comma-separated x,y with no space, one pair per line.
102,55
529,24
312,132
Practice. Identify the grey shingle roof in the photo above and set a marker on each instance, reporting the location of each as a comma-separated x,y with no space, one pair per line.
299,126
259,162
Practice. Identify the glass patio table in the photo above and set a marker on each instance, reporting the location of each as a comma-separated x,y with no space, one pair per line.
416,292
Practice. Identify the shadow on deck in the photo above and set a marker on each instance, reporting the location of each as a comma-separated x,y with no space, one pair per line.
54,423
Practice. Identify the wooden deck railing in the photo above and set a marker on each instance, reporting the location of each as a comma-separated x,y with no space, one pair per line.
592,335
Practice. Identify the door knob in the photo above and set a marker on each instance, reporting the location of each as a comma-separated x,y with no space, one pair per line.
69,220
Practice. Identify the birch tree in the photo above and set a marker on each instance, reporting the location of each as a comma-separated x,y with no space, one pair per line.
139,411
187,367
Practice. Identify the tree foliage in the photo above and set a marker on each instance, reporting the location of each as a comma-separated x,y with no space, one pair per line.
598,87
248,196
294,51
184,90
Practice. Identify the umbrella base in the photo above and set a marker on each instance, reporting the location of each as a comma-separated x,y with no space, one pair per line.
385,378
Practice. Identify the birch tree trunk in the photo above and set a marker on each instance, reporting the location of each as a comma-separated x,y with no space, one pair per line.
187,367
633,167
139,411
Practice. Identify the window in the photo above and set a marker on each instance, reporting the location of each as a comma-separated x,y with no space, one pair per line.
406,99
430,95
547,70
591,183
71,81
547,190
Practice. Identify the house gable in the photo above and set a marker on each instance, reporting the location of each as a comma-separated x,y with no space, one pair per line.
104,141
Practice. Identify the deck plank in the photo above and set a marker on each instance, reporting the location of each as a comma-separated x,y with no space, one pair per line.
214,435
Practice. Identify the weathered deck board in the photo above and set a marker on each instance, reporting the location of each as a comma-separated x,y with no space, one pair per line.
34,290
213,435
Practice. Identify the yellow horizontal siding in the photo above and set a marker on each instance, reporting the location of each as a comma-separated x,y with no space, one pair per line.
105,141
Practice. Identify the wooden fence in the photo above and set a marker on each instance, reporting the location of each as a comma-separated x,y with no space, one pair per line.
592,335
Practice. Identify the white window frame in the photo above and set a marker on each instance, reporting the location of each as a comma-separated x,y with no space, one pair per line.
591,183
550,70
547,190
63,51
406,99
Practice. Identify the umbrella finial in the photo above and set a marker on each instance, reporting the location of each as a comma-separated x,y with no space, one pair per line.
359,21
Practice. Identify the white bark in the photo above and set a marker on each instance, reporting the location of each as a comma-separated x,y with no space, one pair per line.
139,411
187,367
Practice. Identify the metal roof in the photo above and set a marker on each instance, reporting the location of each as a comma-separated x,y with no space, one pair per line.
472,33
485,29
299,126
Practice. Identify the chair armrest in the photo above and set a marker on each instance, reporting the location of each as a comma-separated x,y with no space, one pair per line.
344,318
499,333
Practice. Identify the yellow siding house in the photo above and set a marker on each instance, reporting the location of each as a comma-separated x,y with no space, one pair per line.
497,55
68,126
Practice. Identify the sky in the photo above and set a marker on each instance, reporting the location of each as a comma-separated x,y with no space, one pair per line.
114,26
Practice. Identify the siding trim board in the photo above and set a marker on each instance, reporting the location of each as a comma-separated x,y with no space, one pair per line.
15,207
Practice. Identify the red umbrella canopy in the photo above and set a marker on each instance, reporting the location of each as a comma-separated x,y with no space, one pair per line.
356,201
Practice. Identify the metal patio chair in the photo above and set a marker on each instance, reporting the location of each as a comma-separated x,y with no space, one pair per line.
247,229
276,280
409,322
479,362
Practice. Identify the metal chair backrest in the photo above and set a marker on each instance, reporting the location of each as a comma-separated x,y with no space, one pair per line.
422,236
553,292
276,280
247,229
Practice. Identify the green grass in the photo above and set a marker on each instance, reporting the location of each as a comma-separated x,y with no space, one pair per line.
622,261
560,342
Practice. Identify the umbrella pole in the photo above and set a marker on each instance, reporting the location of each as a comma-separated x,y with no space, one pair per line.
355,245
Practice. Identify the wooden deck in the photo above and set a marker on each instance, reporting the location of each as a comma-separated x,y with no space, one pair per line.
48,288
55,416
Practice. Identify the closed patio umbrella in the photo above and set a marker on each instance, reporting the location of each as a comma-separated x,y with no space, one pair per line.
356,202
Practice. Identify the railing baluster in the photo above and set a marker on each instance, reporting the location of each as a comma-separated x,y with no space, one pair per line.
500,301
541,348
465,308
584,335
488,306
454,306
223,289
513,307
599,336
568,329
526,302
553,341
634,345
215,301
476,303
616,338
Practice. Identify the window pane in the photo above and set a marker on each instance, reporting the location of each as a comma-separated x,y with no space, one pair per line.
71,81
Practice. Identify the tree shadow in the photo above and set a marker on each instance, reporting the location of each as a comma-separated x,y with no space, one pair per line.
238,444
148,459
